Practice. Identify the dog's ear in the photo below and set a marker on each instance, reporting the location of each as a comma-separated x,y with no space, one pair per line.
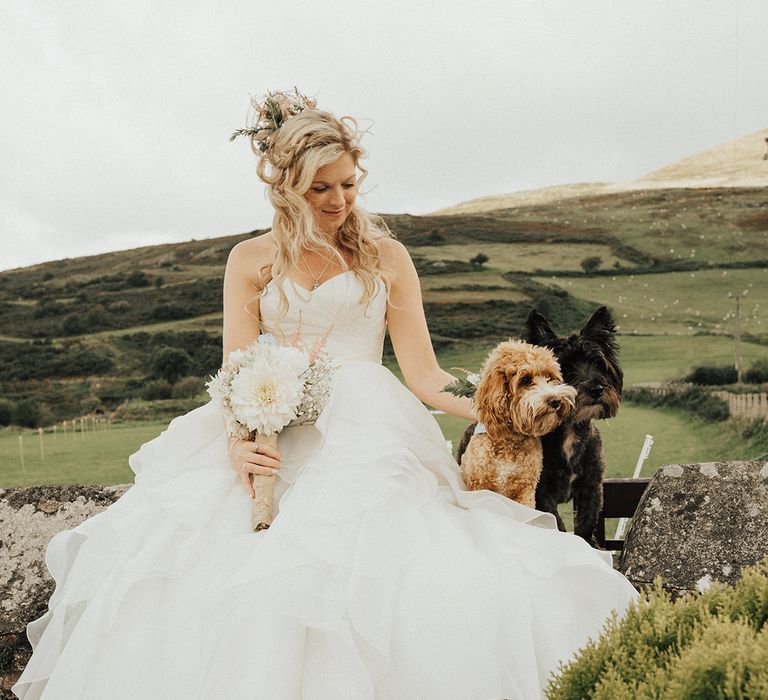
601,329
492,399
537,330
600,323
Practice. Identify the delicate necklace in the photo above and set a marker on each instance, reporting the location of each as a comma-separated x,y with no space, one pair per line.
320,276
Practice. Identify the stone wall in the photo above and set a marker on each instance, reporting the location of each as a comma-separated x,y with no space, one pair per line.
699,523
29,517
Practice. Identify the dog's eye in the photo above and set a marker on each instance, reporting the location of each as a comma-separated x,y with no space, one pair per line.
525,380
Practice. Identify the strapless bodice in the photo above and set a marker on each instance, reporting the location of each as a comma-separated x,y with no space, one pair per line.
357,332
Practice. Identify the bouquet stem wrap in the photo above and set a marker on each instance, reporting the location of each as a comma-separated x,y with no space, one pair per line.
264,488
267,387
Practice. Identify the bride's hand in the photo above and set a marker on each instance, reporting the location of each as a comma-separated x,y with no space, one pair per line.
249,459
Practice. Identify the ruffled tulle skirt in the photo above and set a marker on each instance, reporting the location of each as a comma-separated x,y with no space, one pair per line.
379,578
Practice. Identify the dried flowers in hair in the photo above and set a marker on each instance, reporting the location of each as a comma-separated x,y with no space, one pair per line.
270,113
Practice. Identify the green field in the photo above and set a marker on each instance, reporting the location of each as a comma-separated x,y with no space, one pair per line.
92,457
100,456
678,302
525,256
93,325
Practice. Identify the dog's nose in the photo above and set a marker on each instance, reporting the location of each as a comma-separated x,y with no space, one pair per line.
595,391
555,403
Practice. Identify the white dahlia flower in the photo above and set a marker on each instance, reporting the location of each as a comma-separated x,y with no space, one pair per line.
265,392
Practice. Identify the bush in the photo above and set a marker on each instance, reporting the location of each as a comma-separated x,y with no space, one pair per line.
48,307
757,373
28,413
712,645
188,388
710,375
693,400
591,263
74,324
156,391
137,278
170,312
6,412
480,259
171,364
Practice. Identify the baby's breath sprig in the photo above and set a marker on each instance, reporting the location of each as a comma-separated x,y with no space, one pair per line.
270,113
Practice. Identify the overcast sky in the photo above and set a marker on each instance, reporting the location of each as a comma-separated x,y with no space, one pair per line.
116,115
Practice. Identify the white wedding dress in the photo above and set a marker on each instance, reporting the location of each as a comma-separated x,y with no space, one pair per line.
381,577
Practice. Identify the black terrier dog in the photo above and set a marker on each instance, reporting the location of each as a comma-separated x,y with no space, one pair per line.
574,462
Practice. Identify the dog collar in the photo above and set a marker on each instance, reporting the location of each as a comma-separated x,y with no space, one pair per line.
479,428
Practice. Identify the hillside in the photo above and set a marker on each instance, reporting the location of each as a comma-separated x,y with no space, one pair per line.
81,334
737,164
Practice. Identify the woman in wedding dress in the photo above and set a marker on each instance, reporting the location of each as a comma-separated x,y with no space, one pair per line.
380,577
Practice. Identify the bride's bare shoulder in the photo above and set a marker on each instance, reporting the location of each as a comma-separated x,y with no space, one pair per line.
395,256
252,255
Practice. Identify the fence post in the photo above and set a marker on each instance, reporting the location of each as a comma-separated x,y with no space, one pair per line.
21,452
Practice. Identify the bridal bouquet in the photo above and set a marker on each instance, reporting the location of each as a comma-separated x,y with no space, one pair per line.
267,387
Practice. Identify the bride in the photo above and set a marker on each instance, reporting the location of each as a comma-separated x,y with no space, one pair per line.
380,576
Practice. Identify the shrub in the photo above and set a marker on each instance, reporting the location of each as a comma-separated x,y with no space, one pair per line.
74,324
137,278
169,311
171,364
757,373
28,413
711,375
156,391
591,263
709,645
47,307
189,387
118,306
6,412
480,259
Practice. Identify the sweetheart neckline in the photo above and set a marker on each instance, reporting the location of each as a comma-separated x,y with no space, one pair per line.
319,286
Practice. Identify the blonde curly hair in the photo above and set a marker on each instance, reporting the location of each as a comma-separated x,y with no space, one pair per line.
293,140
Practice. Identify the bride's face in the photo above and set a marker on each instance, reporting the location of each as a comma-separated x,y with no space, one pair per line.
332,193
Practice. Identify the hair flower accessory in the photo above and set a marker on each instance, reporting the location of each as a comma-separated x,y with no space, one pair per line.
270,113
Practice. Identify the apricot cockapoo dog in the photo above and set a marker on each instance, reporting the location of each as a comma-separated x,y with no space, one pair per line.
520,396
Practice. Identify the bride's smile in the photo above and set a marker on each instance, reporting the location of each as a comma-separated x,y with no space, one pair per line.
332,193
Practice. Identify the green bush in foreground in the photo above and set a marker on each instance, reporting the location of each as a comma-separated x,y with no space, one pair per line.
710,645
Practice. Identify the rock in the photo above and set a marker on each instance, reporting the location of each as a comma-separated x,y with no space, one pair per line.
29,517
699,523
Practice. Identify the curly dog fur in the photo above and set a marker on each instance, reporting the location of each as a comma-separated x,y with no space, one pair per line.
520,397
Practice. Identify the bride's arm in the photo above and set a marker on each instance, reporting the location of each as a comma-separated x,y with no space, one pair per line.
241,327
241,305
412,344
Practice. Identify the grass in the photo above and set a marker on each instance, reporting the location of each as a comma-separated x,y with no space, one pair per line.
100,456
95,457
523,256
678,302
652,358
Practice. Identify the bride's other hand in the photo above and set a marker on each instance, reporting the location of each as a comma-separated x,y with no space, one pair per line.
247,458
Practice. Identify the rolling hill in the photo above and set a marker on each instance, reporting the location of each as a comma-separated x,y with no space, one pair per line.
737,164
669,255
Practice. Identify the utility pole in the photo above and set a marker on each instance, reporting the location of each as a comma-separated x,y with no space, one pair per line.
738,338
